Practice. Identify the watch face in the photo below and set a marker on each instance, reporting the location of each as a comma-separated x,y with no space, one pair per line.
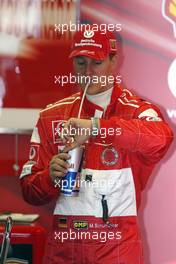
109,156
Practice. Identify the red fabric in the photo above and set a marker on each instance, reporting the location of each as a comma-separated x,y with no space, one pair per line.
101,250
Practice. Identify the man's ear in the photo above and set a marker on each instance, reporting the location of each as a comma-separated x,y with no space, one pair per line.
114,62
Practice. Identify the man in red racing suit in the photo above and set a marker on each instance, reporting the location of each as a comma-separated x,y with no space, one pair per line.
100,225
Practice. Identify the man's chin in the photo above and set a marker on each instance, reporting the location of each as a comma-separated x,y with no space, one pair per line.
92,89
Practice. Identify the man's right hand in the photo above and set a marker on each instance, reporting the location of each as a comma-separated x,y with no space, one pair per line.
59,165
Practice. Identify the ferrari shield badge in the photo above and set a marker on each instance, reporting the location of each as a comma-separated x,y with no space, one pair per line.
109,156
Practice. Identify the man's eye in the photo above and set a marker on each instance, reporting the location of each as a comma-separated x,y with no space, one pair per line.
80,62
97,62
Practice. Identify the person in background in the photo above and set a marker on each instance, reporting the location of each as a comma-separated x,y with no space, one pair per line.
100,225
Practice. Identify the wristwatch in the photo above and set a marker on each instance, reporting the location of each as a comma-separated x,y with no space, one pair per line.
95,127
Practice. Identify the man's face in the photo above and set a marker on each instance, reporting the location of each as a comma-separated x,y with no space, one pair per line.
97,70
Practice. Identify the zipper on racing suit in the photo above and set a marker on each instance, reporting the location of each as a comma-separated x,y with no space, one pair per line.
105,209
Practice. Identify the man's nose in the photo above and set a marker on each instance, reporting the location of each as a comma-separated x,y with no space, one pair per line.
89,69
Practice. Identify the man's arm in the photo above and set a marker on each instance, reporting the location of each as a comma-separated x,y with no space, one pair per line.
36,183
147,133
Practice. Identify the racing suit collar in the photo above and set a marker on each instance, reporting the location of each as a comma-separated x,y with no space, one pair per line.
90,107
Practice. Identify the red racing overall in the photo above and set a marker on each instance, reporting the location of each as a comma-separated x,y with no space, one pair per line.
133,138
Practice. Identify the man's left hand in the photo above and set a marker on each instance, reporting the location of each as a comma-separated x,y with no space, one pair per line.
79,131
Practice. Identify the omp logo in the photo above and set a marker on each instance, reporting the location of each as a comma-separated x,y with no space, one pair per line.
88,33
171,77
169,12
80,224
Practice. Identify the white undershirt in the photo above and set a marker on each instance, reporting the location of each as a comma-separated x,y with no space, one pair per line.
102,99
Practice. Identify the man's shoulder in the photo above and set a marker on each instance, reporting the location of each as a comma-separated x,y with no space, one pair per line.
59,105
137,106
129,99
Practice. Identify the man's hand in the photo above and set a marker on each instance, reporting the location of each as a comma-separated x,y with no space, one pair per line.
79,131
59,165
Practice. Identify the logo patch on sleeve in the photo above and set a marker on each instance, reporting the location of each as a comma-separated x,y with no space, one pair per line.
154,119
56,130
34,153
27,169
150,115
